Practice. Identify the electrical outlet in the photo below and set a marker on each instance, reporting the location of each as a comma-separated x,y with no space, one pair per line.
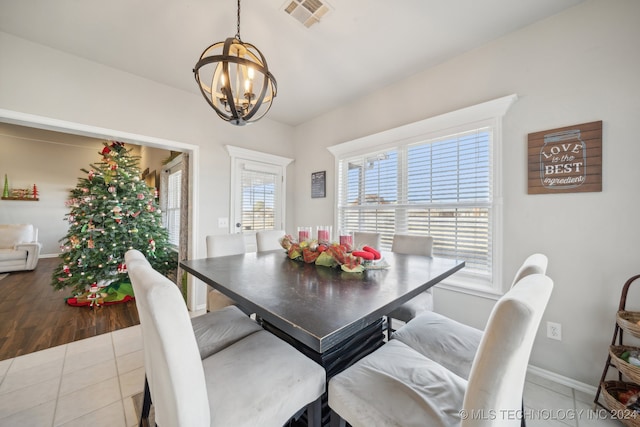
223,222
554,331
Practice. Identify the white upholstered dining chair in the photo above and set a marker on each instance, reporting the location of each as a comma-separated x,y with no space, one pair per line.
269,240
368,238
214,330
451,343
222,245
258,380
411,245
397,386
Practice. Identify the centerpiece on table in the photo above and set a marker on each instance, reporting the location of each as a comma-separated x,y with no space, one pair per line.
333,255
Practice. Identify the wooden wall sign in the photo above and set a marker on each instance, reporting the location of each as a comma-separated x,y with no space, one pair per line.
566,160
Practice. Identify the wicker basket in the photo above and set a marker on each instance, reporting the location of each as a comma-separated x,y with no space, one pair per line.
628,321
628,370
610,390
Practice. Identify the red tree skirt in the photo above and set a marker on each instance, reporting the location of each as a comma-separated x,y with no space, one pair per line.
83,302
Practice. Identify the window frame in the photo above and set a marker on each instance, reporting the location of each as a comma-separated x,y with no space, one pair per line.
487,114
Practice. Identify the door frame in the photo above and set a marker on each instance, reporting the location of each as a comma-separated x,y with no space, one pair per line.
239,155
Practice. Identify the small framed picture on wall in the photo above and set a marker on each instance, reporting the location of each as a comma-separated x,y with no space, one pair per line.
318,184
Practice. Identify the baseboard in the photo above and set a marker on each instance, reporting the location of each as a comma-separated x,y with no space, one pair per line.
560,379
49,255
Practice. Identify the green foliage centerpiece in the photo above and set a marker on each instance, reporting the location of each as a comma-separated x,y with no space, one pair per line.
333,255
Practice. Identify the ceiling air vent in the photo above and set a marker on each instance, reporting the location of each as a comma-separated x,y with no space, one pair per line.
307,12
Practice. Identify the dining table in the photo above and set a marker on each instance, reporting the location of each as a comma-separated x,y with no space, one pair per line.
333,316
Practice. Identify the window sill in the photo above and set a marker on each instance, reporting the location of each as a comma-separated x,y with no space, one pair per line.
470,286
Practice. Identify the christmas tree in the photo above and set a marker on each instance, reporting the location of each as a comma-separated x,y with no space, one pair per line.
112,210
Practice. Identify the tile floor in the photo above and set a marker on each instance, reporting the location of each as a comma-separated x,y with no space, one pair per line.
90,383
83,383
551,404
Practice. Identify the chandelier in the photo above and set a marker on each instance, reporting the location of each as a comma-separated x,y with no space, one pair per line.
234,79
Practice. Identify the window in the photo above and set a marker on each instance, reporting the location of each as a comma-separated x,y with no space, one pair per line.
171,197
440,188
437,177
258,197
172,225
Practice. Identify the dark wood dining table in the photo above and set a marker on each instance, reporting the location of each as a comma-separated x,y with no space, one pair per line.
332,316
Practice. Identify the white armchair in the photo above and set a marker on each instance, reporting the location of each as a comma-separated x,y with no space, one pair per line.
19,247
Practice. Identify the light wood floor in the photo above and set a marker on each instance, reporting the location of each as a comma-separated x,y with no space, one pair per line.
34,316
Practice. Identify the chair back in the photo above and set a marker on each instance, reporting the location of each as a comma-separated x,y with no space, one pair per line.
225,245
412,245
362,238
171,357
534,264
269,240
499,369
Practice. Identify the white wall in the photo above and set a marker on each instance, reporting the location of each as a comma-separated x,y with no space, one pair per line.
53,163
41,81
577,67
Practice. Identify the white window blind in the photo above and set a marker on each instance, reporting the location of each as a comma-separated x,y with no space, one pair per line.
174,188
440,187
258,199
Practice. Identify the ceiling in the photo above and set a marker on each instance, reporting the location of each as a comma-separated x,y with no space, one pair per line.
359,46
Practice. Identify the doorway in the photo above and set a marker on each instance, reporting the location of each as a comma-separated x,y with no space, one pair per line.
55,125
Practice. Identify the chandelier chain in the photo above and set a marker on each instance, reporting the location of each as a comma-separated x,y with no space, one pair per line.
238,27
